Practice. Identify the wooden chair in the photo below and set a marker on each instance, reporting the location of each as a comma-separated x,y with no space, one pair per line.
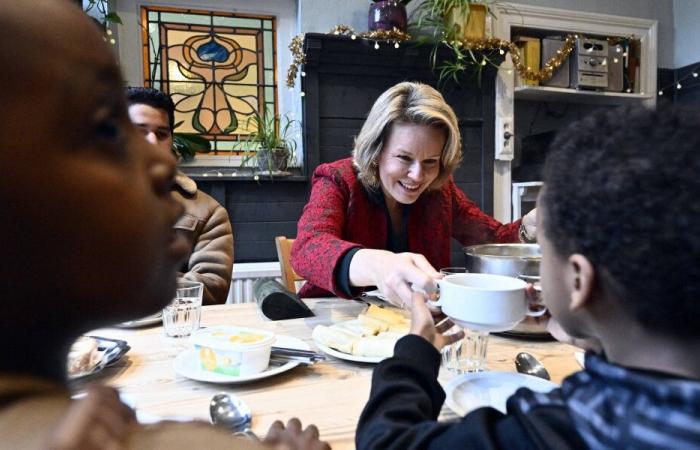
284,249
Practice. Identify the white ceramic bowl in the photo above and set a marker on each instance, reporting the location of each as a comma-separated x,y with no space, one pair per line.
233,351
483,302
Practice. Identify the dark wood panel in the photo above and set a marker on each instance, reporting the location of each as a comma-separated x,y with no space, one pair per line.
250,192
257,231
266,211
255,251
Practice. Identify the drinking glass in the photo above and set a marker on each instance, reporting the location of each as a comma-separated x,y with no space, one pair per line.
181,316
469,353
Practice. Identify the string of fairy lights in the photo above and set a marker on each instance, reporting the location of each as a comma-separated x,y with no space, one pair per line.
395,36
677,85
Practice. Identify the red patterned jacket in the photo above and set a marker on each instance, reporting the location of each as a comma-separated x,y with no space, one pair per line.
340,216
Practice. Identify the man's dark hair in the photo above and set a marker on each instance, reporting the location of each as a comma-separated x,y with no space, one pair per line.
152,98
622,189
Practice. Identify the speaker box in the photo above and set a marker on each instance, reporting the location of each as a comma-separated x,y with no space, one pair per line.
616,80
561,75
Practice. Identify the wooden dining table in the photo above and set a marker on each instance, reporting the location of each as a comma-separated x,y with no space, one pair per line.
329,394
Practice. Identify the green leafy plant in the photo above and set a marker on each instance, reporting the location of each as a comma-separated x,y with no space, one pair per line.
272,140
433,22
102,8
186,145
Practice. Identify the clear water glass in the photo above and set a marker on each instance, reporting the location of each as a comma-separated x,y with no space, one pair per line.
181,317
468,354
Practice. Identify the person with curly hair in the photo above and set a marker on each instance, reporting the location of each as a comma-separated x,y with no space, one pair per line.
386,216
620,274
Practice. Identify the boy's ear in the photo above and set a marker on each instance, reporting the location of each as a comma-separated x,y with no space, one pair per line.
581,278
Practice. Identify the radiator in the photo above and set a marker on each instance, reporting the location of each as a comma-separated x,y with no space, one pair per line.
245,274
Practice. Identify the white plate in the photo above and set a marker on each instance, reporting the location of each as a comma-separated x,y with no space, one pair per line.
142,322
348,356
580,359
473,390
187,365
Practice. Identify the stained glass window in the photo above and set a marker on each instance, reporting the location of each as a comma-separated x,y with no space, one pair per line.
218,67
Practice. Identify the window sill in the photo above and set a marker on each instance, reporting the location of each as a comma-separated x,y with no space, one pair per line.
242,174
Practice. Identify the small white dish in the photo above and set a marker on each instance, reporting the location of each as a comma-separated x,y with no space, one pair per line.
347,356
474,390
186,364
580,359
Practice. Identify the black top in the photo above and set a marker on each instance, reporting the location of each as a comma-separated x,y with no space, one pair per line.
605,406
395,242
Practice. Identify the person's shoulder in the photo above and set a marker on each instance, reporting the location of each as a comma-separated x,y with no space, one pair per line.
340,171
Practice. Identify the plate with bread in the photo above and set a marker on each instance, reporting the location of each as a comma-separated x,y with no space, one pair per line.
90,354
369,338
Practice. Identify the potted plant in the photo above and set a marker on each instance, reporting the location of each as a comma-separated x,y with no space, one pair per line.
273,144
186,145
451,23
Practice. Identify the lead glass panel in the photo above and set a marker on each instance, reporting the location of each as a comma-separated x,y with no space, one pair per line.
217,67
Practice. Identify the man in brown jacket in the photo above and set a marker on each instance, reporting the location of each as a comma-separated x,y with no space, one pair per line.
205,224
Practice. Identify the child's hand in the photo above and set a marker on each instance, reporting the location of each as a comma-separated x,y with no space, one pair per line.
98,421
292,437
423,324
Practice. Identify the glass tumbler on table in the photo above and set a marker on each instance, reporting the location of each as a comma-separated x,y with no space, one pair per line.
469,353
181,317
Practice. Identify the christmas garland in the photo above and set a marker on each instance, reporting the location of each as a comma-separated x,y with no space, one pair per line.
395,36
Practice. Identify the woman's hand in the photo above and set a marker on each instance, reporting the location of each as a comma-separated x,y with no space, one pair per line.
98,421
292,437
396,275
423,324
529,223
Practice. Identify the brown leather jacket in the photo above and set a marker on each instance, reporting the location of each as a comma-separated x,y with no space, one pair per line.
206,225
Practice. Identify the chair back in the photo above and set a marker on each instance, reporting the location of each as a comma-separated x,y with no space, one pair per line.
284,249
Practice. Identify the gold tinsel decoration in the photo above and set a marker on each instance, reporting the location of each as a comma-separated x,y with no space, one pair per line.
298,58
395,36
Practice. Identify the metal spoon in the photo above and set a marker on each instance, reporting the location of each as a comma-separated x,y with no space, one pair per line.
232,413
529,365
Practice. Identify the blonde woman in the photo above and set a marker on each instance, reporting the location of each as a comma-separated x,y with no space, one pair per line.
385,216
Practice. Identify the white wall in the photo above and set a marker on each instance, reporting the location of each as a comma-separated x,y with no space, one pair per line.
686,32
321,15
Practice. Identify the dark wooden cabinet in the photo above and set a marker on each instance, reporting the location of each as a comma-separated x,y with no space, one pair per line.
343,79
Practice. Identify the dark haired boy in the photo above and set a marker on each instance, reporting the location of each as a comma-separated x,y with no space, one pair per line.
618,223
205,224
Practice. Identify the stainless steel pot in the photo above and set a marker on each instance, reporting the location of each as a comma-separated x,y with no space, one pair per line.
514,260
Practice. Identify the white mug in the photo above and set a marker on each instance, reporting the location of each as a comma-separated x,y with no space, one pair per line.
485,302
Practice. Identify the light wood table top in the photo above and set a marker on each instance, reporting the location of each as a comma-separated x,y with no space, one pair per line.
330,394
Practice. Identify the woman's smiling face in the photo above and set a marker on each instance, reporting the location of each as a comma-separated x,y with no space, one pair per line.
410,161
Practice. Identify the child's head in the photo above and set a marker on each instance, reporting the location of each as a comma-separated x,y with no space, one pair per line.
85,201
621,191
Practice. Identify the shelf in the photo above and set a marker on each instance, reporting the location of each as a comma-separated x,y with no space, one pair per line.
566,95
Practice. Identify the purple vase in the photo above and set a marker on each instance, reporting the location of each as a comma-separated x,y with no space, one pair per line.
387,14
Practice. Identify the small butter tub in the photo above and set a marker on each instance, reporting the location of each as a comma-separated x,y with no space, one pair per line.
233,351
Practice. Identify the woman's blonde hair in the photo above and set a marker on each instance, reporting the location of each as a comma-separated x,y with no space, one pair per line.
413,103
